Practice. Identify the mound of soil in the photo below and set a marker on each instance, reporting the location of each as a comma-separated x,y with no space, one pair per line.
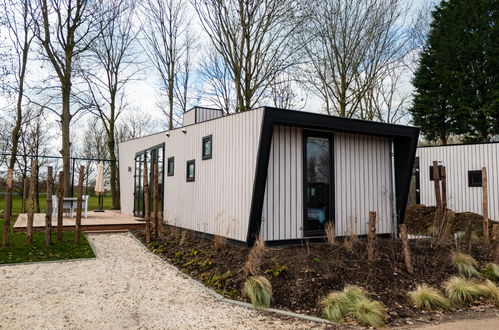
302,275
419,219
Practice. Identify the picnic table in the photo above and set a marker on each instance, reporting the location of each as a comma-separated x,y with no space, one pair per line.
70,204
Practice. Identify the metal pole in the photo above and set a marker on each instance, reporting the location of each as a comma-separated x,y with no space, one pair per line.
73,178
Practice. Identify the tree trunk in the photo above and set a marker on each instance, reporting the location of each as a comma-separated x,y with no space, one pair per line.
113,169
25,193
37,191
147,205
405,249
48,209
79,204
155,201
60,204
8,208
31,209
65,118
485,207
371,237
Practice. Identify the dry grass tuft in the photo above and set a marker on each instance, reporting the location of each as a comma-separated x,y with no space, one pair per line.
462,291
491,272
183,237
162,230
427,298
491,291
465,264
330,233
259,290
220,242
352,302
254,262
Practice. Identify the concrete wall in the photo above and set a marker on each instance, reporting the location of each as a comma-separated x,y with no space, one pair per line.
459,159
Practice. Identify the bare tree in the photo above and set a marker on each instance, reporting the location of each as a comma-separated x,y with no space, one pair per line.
254,40
113,63
133,124
283,92
19,24
183,90
349,45
165,44
66,30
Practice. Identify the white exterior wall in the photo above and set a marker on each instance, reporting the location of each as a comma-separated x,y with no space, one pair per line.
362,183
458,160
189,117
219,200
204,114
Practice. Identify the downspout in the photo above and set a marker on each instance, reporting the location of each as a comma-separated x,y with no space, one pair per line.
394,191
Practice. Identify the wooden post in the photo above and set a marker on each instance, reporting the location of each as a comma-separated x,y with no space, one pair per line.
371,237
485,207
48,209
467,236
31,208
443,220
438,196
79,203
495,231
60,204
405,249
155,194
147,205
7,213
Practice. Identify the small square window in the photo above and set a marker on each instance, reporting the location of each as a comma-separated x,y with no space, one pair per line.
439,172
171,166
207,147
474,178
191,170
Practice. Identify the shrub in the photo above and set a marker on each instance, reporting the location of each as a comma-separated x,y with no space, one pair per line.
465,264
491,291
330,233
461,291
353,302
253,264
220,242
259,290
427,298
491,272
183,237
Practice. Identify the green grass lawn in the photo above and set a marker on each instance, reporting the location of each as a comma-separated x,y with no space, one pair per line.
16,203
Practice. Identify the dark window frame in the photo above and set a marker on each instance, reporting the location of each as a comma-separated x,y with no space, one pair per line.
172,160
472,175
193,178
439,172
204,140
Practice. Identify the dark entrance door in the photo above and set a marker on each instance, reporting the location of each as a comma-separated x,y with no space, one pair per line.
318,182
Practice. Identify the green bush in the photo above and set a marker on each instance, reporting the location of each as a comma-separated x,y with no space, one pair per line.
461,291
259,290
465,264
491,291
427,298
491,272
353,302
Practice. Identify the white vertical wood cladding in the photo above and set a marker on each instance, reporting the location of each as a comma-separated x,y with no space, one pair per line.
219,200
282,216
460,159
204,114
362,183
362,172
189,117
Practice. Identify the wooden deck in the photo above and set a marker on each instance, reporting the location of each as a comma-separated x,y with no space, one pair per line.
108,221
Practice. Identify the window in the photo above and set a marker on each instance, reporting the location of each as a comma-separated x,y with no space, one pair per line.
191,170
206,152
474,178
171,166
439,172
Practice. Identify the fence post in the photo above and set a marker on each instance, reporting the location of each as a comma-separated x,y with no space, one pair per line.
25,195
156,201
147,205
48,209
32,192
79,205
7,213
495,231
485,207
371,237
60,205
438,196
405,248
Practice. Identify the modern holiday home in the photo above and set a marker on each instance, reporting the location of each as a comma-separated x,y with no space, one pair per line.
463,164
281,173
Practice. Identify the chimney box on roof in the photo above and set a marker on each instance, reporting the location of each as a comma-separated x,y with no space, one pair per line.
200,114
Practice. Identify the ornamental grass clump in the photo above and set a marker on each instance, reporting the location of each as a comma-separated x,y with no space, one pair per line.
491,272
428,298
462,291
353,303
491,291
465,264
259,290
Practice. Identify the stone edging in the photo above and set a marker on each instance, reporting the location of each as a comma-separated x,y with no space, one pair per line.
231,301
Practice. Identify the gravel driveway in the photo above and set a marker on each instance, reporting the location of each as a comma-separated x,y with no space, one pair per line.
125,287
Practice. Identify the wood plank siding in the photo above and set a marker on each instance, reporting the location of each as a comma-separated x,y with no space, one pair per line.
218,201
459,159
362,183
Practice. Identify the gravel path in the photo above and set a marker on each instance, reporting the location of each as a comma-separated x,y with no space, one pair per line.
124,288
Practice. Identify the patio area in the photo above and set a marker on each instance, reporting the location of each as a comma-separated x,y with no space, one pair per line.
108,221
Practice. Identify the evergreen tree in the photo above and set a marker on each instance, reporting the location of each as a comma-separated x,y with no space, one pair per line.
457,81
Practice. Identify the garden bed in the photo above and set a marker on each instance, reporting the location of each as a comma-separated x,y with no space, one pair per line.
302,275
